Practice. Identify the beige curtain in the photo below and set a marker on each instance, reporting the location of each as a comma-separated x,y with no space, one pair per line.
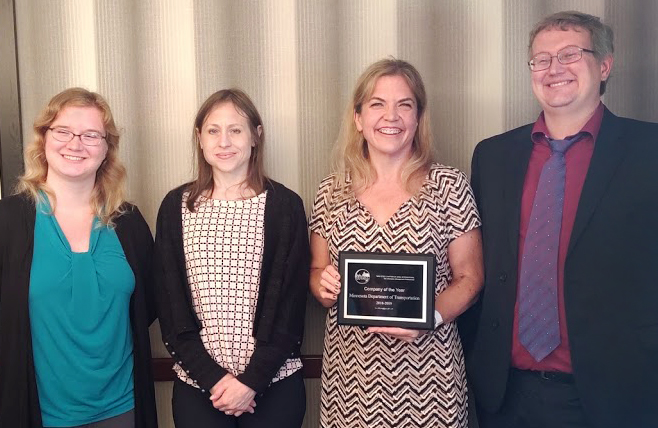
157,60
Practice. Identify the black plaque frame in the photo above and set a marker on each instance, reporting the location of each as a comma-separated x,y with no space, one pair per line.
386,299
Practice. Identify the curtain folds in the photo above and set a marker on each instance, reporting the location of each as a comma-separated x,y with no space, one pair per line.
157,60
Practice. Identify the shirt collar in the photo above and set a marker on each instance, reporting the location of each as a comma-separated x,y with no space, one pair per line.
540,130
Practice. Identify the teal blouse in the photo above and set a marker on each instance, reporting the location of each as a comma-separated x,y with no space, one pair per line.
79,315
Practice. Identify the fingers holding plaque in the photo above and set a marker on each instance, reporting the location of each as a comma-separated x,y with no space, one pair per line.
386,289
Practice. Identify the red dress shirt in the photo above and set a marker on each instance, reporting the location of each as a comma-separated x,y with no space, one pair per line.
577,159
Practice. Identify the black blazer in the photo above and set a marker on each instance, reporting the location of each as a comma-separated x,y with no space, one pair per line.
610,276
19,401
280,311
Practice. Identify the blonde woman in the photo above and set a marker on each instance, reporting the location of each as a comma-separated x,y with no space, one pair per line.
387,195
75,297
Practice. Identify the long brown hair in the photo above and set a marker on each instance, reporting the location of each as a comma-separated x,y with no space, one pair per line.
351,150
204,183
109,188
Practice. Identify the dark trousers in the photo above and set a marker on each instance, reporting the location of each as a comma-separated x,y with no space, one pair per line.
534,401
283,405
124,420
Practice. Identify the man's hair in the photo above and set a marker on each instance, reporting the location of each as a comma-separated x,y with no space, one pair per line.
600,33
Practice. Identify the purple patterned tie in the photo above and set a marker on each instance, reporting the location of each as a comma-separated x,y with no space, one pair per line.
539,324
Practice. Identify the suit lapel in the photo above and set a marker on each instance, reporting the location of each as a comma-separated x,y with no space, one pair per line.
608,154
516,158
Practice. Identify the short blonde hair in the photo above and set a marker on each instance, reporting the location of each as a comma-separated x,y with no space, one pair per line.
351,150
109,189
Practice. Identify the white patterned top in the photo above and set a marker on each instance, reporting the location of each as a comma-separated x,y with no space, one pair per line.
223,245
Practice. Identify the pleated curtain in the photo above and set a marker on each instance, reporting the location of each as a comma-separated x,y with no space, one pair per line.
157,60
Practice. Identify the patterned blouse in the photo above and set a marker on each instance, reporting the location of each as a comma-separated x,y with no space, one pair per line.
376,380
223,247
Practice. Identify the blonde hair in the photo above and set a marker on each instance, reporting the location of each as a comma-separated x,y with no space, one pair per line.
109,191
350,157
256,177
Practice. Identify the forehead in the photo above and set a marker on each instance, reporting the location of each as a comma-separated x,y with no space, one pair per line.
226,112
87,116
394,86
553,39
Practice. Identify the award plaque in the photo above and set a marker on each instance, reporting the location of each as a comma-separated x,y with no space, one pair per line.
386,289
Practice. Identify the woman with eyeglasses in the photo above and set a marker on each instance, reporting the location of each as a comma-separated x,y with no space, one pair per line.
232,265
75,290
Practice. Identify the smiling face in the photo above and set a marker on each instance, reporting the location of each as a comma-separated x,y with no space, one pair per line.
389,118
571,88
74,161
226,141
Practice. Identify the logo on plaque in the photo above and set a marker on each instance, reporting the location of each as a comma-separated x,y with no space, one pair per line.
362,276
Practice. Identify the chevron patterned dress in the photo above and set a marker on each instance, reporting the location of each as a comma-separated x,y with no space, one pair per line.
374,380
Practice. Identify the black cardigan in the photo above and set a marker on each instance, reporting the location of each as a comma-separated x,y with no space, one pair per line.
19,400
279,319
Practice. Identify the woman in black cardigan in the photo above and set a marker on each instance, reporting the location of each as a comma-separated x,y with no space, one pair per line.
55,368
232,264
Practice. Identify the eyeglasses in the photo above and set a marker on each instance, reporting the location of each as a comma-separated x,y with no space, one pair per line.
567,55
90,138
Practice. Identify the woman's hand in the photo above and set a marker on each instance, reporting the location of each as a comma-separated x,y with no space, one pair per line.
232,397
325,280
406,334
329,283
